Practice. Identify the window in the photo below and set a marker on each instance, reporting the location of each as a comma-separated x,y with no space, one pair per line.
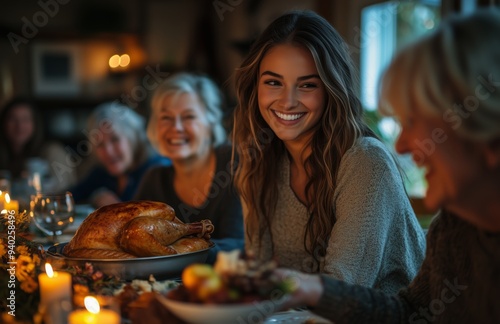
385,28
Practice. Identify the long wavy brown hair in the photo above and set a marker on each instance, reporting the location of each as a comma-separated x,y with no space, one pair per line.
259,150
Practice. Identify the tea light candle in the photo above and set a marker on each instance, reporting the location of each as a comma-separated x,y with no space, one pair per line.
10,204
54,286
92,314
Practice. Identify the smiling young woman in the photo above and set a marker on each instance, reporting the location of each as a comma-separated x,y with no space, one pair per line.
320,192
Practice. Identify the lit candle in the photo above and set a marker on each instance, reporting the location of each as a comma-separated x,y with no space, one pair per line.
2,199
10,204
92,314
54,286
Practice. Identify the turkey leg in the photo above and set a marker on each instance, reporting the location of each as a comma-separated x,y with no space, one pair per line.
150,236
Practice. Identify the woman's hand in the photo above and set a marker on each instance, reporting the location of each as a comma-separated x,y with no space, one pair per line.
307,289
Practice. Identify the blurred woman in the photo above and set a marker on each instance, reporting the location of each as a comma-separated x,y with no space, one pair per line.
24,151
186,126
123,154
445,91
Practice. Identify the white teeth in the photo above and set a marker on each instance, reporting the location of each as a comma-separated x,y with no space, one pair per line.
177,141
289,116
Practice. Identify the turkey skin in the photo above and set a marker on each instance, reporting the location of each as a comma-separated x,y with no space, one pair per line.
136,229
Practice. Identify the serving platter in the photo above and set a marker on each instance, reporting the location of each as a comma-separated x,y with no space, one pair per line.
161,267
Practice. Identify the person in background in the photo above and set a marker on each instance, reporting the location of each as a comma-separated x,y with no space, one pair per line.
31,160
321,193
445,91
122,150
186,126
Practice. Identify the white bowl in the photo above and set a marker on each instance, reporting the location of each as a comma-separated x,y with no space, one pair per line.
194,313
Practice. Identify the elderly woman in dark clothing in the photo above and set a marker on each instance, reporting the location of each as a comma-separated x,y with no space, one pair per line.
123,154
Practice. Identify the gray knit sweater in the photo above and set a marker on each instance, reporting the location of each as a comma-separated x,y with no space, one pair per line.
459,282
376,240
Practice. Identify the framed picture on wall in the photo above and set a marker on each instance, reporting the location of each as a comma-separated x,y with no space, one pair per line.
56,69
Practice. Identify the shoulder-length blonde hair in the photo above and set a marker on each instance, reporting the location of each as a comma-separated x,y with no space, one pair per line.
259,150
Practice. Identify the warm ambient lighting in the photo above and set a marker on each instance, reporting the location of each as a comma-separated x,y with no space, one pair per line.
117,60
124,60
9,204
91,304
114,61
48,270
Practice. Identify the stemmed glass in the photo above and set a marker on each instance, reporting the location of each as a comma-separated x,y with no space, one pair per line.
52,213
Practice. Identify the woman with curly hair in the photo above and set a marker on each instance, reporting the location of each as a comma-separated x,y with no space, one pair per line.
321,194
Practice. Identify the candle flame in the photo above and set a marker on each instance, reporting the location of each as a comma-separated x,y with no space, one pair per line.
91,304
48,270
7,198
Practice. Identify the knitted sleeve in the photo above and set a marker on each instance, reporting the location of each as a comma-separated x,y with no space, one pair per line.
376,241
345,303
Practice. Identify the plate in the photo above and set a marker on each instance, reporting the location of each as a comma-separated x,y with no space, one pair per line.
195,313
161,267
303,316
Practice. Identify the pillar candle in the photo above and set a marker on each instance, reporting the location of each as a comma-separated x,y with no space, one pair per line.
54,286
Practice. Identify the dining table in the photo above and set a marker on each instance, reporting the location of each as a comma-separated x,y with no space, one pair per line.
147,308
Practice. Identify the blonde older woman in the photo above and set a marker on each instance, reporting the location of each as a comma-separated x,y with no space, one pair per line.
186,126
445,91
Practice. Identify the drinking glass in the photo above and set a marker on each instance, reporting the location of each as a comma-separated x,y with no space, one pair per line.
52,213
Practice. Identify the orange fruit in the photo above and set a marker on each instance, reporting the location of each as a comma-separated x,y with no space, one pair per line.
194,274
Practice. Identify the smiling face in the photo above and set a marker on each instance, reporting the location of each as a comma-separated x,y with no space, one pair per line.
114,151
291,95
455,168
183,129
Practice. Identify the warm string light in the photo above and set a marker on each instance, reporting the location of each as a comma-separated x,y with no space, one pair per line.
119,60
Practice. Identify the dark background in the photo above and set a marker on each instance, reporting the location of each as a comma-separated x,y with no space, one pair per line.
164,36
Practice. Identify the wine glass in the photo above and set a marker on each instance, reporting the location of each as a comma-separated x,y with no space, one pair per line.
52,213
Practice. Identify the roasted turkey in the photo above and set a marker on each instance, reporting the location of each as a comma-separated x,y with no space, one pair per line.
136,229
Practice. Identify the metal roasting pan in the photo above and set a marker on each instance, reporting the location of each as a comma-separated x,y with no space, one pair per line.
161,267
